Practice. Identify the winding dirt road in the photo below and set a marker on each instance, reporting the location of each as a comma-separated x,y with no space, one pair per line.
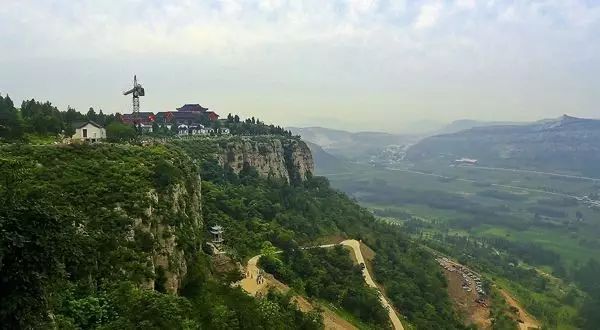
355,246
331,320
250,285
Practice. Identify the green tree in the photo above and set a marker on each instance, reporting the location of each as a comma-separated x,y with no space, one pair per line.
35,241
91,115
117,132
42,118
146,309
11,124
174,128
69,130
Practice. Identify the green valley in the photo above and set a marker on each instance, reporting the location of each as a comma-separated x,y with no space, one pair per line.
492,220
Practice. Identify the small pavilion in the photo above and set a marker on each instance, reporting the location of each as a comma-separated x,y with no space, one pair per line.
217,235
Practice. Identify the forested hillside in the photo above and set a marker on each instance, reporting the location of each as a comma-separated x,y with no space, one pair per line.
110,236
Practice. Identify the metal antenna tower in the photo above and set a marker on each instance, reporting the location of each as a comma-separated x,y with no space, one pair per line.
136,91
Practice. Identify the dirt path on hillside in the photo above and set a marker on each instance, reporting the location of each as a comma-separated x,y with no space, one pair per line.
355,245
250,282
529,322
331,320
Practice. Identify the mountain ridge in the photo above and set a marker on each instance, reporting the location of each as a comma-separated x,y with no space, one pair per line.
566,143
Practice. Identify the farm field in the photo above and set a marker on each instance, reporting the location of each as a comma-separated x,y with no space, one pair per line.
527,207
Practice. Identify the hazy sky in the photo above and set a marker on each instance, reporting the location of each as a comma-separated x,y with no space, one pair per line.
356,64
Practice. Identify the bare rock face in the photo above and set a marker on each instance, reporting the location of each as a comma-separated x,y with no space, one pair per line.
171,213
302,160
289,159
174,214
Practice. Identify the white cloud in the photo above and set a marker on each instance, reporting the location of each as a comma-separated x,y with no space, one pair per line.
509,14
428,16
275,48
231,8
397,6
361,6
270,5
465,4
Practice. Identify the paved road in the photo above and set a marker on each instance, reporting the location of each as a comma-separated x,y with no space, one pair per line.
355,245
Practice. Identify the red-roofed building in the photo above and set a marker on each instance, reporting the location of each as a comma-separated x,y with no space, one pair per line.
187,114
145,118
212,116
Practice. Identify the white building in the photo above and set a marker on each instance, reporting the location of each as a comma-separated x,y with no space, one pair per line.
146,128
88,131
466,161
183,129
194,130
206,130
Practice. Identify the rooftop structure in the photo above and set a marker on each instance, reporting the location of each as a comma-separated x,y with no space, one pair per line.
192,108
217,233
188,114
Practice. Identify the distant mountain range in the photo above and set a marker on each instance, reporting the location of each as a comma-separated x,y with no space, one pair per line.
566,143
463,124
326,163
348,145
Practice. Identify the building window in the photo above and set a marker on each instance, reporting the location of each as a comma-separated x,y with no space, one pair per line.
85,133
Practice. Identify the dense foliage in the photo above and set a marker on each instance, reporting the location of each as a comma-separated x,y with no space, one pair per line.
253,126
413,281
114,207
42,119
76,241
587,277
255,210
331,275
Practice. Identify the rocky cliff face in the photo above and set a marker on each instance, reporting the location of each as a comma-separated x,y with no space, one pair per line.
175,216
289,159
139,206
